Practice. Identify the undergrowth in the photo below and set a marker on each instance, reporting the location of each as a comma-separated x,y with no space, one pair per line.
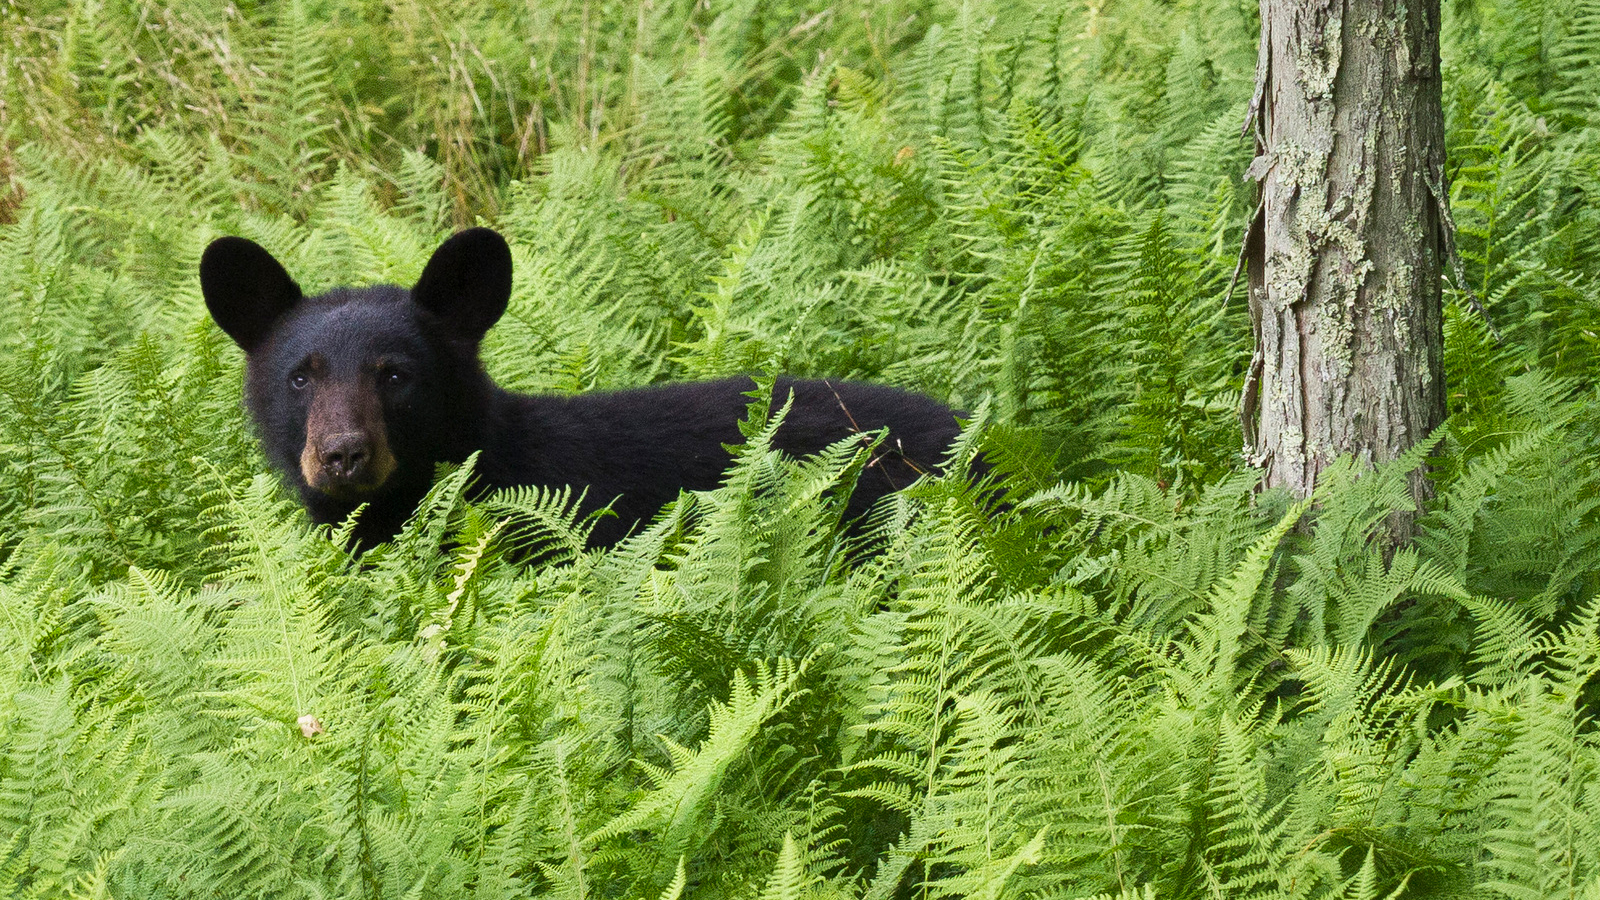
1132,676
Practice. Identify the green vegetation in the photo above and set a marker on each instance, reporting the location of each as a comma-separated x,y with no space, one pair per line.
1138,680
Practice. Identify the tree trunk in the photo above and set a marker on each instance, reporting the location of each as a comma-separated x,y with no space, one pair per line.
1344,255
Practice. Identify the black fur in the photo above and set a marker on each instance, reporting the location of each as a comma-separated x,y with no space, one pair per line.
397,375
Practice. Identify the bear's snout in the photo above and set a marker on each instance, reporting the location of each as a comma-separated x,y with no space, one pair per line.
346,464
346,454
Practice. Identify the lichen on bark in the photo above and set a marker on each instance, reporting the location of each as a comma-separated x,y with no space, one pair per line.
1343,259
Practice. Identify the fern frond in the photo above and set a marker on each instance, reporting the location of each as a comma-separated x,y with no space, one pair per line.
676,810
789,880
285,118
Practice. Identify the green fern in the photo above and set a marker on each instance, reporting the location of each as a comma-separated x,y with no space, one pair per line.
1091,660
282,115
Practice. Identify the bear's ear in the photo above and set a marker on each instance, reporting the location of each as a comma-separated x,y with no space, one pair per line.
245,289
467,283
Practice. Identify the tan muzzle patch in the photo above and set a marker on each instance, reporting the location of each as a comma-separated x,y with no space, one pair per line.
346,453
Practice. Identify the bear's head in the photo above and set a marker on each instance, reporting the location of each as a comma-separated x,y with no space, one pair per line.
358,392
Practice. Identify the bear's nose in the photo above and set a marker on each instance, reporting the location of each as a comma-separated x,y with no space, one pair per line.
344,455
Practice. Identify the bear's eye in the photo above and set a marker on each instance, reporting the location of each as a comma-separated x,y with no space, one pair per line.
394,377
299,380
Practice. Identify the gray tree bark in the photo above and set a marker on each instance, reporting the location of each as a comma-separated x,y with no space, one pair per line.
1345,252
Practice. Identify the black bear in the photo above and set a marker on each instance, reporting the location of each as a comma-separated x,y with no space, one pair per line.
358,392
